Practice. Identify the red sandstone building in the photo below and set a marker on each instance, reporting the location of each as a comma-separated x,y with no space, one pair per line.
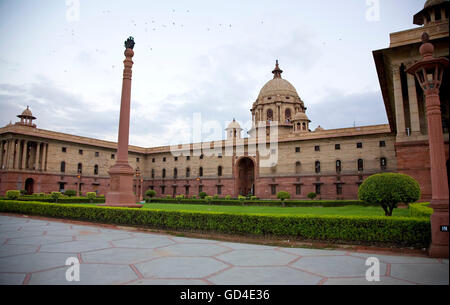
331,163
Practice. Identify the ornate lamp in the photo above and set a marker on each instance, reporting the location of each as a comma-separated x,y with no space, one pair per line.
429,72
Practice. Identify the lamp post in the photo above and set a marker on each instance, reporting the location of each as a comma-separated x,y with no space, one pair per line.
121,184
79,183
139,181
429,71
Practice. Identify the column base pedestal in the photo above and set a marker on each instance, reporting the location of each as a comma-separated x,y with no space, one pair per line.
121,187
439,240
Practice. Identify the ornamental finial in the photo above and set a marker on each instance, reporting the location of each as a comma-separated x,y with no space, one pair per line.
129,43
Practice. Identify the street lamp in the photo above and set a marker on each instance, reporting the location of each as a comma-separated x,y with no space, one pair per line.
429,71
139,181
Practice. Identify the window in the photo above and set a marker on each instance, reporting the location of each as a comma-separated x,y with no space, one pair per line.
163,189
360,165
186,189
337,146
338,189
175,158
175,173
318,189
219,190
287,115
97,154
201,156
164,159
297,149
338,166
298,166
188,172
317,148
273,189
382,143
137,159
220,155
80,168
188,158
164,173
219,171
95,169
63,167
317,167
383,163
80,151
298,189
269,115
61,187
359,145
112,156
200,172
64,149
153,160
153,173
200,188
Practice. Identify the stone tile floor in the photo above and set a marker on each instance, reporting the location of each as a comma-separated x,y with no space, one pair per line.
34,251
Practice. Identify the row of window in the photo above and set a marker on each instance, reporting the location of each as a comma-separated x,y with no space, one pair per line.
359,164
298,189
79,168
338,146
188,172
187,189
164,159
96,154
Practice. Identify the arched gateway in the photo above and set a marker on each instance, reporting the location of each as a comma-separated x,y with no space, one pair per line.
245,176
29,186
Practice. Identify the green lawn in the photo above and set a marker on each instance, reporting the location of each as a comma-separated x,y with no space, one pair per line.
344,211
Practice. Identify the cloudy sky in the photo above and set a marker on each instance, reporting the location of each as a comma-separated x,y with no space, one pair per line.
63,58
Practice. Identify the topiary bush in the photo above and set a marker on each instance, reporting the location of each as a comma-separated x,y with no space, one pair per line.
228,197
420,210
70,193
253,198
283,195
216,196
311,195
12,194
91,196
55,196
202,195
389,189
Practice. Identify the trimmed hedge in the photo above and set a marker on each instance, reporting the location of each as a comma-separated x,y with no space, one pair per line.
60,199
288,203
420,210
400,231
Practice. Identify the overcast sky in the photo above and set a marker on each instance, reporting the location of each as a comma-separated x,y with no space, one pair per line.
191,56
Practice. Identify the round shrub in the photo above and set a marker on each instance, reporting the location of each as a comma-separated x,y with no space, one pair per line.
70,193
216,196
228,197
12,194
202,195
311,195
389,189
150,193
91,196
283,195
55,196
253,198
208,199
168,196
241,198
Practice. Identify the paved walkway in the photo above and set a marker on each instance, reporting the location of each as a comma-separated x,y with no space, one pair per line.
34,251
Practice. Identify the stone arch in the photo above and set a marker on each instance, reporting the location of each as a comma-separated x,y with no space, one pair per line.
245,176
29,186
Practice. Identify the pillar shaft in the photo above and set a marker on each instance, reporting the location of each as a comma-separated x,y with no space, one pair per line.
398,97
37,156
413,105
25,154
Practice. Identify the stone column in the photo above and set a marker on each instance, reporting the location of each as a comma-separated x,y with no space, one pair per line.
413,105
1,155
38,151
44,156
398,97
17,154
24,154
10,161
121,173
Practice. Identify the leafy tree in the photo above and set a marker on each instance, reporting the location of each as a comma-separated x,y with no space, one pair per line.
311,195
202,195
70,193
55,196
91,196
283,195
389,189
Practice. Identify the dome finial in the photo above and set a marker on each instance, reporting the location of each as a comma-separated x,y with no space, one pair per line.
277,71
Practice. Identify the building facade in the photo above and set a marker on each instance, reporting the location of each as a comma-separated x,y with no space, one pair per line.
331,163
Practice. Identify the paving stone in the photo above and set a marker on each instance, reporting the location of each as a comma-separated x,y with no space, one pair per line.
257,257
11,278
192,250
8,250
119,256
428,274
240,246
168,282
76,246
39,240
180,267
145,243
384,280
193,240
264,276
90,274
313,252
84,235
335,266
399,259
32,262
